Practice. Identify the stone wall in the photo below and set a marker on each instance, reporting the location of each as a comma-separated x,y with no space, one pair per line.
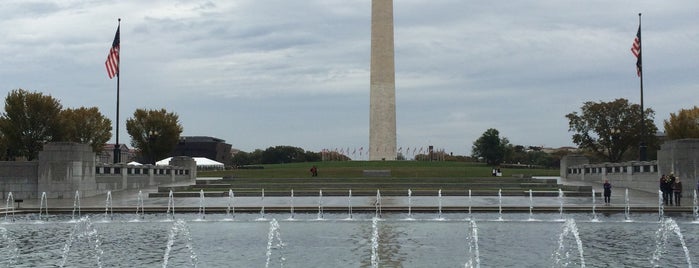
63,168
679,157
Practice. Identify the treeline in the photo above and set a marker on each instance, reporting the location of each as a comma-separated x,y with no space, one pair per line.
275,155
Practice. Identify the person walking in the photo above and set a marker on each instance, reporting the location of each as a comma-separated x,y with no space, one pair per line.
607,192
677,190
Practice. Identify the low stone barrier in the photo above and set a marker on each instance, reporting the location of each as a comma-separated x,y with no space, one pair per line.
377,173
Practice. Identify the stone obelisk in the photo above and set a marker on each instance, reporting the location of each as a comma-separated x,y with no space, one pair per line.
382,110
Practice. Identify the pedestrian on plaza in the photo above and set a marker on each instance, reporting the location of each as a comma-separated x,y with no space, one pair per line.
677,190
670,182
664,188
314,171
607,192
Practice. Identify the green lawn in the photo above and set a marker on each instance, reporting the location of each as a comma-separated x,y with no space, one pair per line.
403,169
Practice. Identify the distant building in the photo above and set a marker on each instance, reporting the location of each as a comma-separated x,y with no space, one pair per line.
203,146
107,154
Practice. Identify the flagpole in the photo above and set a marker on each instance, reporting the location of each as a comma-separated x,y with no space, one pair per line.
642,154
117,147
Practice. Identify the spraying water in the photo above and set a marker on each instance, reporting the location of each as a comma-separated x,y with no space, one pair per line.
292,205
531,205
76,204
594,206
108,212
11,251
439,197
230,210
43,206
180,229
349,203
661,212
375,242
500,204
410,206
272,236
9,206
560,201
262,204
627,208
320,204
377,204
695,206
561,256
140,211
170,206
83,229
202,205
474,259
668,226
469,203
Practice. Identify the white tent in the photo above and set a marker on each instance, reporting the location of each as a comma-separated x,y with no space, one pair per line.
134,163
202,163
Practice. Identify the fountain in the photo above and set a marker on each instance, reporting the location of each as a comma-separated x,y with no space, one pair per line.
627,208
272,236
349,204
202,205
500,204
43,207
108,210
375,242
410,205
474,260
262,205
695,206
10,206
560,201
76,204
291,215
370,240
170,206
320,205
230,210
594,206
140,208
179,229
561,256
83,229
439,197
661,208
668,226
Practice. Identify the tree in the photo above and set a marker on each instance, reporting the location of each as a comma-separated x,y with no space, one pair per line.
30,120
86,125
610,129
490,147
683,125
154,132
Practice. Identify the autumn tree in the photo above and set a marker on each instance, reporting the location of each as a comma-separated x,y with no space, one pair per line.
154,132
30,120
490,147
683,125
610,129
86,125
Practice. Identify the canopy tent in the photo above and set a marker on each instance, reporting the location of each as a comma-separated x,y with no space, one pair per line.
202,163
134,163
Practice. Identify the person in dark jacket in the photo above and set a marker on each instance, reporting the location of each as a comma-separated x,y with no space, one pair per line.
607,192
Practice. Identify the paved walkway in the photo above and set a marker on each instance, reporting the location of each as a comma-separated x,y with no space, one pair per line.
129,199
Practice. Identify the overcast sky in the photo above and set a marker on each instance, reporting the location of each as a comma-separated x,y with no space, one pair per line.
261,73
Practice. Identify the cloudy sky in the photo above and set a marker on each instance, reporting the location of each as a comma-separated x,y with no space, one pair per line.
261,73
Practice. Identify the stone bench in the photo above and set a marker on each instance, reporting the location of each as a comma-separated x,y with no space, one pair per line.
377,173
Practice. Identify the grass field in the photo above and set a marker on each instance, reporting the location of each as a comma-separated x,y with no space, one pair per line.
401,169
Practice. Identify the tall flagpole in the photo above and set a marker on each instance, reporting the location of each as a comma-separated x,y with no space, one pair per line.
642,153
117,147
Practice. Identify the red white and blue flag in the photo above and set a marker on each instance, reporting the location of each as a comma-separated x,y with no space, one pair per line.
112,62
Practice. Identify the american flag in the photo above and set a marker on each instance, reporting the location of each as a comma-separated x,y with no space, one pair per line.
112,62
636,50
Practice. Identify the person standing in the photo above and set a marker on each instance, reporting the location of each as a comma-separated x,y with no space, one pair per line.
670,182
677,190
664,188
607,192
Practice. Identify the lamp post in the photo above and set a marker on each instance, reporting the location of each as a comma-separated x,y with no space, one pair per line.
152,137
615,139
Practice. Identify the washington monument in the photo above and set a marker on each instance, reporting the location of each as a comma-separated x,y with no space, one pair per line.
382,110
